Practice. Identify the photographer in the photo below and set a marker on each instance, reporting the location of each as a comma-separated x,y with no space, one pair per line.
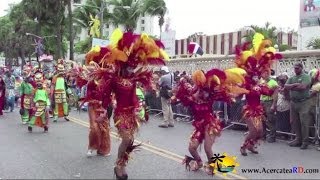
166,83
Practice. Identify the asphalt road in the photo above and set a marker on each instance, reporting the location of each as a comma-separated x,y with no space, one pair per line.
61,153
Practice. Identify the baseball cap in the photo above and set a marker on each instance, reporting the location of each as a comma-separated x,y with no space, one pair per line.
165,69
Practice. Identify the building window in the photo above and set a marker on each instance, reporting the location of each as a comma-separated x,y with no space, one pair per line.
77,1
208,45
182,46
230,43
222,44
142,28
280,37
177,46
142,21
215,44
290,39
239,38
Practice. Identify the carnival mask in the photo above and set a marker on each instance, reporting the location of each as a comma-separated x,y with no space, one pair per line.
60,68
39,79
255,79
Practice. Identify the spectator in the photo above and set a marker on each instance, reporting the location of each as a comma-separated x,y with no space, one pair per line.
166,84
10,92
17,90
267,103
315,78
299,87
2,95
281,105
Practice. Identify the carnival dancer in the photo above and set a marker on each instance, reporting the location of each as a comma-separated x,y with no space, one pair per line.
208,87
99,134
58,93
26,92
117,68
41,104
255,62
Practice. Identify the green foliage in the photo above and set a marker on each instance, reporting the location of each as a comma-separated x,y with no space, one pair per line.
284,47
126,13
314,43
84,46
267,31
156,8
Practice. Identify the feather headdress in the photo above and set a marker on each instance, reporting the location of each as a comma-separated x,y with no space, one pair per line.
259,58
129,49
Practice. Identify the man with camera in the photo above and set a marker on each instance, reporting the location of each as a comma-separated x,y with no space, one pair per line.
166,85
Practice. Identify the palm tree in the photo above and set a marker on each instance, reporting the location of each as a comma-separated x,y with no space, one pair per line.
314,43
267,31
156,8
126,13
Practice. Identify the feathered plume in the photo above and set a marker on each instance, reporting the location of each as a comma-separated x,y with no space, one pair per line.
126,156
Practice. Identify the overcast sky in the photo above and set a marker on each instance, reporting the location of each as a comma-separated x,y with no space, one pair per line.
220,16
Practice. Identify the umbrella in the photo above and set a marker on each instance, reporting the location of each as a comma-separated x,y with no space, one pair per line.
194,48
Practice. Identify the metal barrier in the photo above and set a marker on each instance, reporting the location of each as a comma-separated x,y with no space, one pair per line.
232,115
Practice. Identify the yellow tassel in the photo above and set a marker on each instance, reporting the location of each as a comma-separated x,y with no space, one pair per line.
237,71
164,54
256,42
116,36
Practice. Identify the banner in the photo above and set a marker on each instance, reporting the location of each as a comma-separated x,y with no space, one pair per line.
168,38
309,13
99,42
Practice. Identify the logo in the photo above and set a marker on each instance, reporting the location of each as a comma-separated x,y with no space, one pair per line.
223,163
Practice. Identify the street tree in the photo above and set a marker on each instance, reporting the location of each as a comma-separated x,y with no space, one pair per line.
156,8
314,43
268,31
126,13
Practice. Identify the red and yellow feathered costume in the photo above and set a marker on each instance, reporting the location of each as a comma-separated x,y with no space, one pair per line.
215,85
255,61
117,68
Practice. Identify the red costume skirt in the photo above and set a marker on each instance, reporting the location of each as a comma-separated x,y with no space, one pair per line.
126,122
254,114
208,124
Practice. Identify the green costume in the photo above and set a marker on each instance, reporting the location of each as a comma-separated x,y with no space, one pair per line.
42,102
141,98
26,90
61,107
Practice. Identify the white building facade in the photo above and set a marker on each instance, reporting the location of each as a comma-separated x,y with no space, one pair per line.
224,44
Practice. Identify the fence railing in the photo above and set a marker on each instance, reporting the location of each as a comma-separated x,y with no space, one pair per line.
310,59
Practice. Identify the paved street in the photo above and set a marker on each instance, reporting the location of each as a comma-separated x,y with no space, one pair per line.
61,153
